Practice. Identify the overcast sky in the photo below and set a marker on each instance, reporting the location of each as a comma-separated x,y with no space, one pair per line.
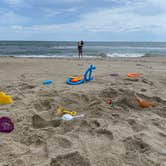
94,20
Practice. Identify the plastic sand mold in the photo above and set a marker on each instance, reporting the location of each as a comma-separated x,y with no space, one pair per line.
6,125
62,110
76,78
47,82
81,79
144,104
5,99
133,75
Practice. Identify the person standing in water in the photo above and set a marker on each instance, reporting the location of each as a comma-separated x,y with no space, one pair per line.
80,48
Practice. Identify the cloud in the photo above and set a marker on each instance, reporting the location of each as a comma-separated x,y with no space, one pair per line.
14,2
17,2
52,12
10,18
69,1
130,20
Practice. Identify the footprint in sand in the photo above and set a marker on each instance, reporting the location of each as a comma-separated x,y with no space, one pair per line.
42,105
108,93
18,162
39,148
135,126
143,90
57,145
38,122
38,152
96,127
95,124
161,112
137,152
92,125
70,159
134,144
84,98
106,133
27,86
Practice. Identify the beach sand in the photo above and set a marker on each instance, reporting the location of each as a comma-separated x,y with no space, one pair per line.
121,134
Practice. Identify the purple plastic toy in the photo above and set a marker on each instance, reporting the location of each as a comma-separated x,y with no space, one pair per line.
6,125
114,74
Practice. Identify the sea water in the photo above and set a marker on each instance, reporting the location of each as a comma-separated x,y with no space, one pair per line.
64,49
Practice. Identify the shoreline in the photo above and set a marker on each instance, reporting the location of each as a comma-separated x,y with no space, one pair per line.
84,57
153,59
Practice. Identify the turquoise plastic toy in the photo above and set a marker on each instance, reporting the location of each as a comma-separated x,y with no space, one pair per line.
47,82
86,78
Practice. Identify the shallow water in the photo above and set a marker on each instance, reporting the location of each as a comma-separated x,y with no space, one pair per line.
91,49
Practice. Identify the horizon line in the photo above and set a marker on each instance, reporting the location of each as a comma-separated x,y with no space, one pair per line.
83,40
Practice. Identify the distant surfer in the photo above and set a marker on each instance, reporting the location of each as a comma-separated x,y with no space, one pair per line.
80,48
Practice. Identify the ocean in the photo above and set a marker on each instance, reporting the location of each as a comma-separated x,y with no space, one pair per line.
64,49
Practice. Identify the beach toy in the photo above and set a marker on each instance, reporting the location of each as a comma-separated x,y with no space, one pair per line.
62,110
6,125
76,78
47,82
110,101
144,104
68,117
114,74
81,79
5,99
132,75
68,81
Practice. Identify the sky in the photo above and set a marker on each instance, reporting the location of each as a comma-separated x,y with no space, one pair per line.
89,20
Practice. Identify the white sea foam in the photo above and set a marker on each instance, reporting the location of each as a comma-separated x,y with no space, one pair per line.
54,56
124,55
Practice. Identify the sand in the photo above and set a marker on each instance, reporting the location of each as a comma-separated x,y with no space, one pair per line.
122,134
